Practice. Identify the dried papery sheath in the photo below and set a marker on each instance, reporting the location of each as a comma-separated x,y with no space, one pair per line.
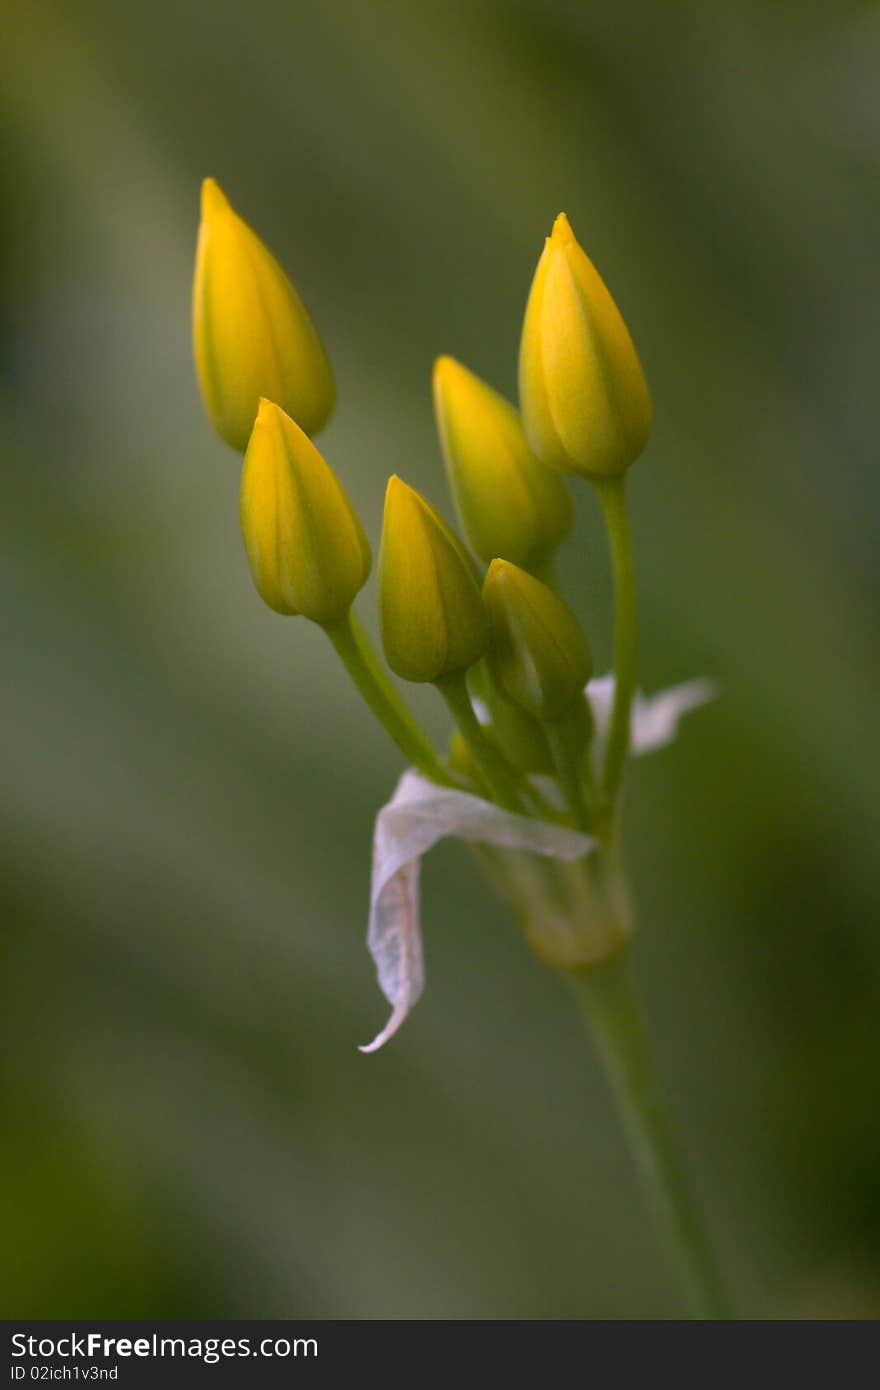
420,814
655,718
417,816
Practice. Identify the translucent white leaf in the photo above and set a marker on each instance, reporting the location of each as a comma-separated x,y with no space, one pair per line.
655,718
417,816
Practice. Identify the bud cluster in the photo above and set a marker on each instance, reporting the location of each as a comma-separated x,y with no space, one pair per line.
502,646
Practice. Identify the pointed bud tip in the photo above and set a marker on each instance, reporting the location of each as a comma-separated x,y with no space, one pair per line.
214,200
454,384
562,234
498,570
270,412
503,575
446,368
396,487
397,492
400,499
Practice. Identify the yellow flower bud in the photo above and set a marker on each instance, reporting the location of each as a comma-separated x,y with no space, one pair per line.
538,653
508,503
307,550
252,334
583,396
432,616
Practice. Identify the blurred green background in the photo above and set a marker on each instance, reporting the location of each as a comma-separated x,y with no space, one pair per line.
189,782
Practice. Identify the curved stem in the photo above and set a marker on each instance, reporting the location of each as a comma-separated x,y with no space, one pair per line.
373,682
492,766
612,495
613,1011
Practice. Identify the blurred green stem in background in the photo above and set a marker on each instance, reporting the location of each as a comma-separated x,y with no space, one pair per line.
611,1007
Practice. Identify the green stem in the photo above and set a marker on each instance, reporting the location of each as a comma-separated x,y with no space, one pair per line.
371,679
613,1011
567,737
492,766
612,496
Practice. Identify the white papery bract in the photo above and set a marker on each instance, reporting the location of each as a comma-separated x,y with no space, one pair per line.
420,813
